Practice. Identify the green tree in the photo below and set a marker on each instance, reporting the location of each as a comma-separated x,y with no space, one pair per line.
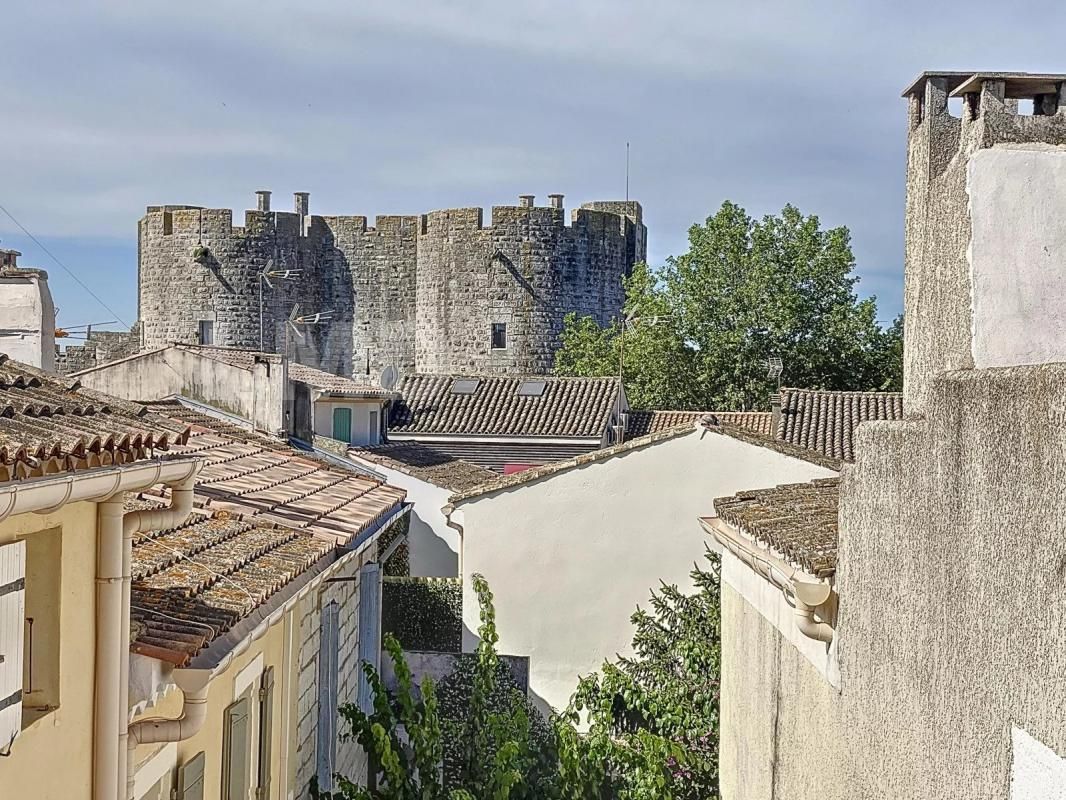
501,754
702,328
652,718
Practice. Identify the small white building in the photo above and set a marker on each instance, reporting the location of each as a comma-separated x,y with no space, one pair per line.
571,548
27,314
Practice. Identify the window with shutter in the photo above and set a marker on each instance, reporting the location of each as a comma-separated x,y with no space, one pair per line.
369,630
191,779
327,694
12,633
266,720
236,751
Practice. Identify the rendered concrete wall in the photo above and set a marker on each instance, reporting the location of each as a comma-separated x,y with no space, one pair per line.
570,556
433,546
27,317
259,394
938,234
1018,254
952,623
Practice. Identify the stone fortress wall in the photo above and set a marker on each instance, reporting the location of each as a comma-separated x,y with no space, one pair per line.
418,292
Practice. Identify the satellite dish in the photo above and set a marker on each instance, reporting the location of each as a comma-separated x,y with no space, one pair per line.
390,376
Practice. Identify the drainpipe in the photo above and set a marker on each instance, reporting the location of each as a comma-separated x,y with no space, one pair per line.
114,550
181,498
193,684
808,597
447,511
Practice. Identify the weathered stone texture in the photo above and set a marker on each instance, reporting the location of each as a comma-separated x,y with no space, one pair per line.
99,348
420,293
937,291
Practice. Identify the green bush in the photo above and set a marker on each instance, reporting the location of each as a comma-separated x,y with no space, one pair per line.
424,613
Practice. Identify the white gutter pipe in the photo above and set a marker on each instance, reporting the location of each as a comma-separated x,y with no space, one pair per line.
181,499
194,684
105,487
810,594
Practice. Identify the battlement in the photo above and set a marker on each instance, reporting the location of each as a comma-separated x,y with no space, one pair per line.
990,111
597,215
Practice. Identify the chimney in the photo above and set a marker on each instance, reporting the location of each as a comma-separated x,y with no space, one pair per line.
303,203
984,219
775,413
526,200
262,200
555,201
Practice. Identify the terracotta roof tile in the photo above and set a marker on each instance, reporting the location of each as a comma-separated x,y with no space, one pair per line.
642,422
825,422
567,407
797,521
427,464
50,425
267,515
334,384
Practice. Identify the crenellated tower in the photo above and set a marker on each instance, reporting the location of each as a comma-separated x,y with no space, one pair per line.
437,292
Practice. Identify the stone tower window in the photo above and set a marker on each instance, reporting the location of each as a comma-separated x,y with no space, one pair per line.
206,331
499,336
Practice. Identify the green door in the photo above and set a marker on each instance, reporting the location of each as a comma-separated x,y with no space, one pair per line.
342,424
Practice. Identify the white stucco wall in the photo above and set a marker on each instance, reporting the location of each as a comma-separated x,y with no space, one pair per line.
570,556
28,320
258,394
362,432
1017,197
434,547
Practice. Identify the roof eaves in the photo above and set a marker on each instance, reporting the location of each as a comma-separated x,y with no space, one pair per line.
555,467
784,448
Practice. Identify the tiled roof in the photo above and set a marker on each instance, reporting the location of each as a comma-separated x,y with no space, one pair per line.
825,421
337,384
568,407
266,514
427,464
797,521
234,356
193,583
50,425
643,422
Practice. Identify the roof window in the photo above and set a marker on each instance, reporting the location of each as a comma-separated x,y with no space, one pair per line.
531,388
465,385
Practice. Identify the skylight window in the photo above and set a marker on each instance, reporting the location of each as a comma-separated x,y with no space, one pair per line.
464,386
531,388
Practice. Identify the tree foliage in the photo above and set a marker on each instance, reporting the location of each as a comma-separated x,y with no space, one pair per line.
702,328
652,718
498,757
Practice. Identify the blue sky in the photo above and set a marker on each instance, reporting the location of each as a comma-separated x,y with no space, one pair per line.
381,107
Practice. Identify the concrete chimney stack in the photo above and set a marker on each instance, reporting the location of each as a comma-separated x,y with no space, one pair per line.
526,200
302,203
555,201
262,200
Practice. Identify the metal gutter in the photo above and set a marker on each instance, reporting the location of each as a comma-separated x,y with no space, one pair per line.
809,595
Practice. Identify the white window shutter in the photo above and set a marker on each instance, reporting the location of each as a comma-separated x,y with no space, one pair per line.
369,631
328,652
12,634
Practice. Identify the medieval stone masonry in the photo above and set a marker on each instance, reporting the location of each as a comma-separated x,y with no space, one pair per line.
440,292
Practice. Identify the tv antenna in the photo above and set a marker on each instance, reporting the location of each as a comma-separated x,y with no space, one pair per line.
390,376
774,367
265,275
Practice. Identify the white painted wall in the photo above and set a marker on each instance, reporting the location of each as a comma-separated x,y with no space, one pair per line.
1017,197
259,394
364,430
569,557
28,319
1037,772
434,547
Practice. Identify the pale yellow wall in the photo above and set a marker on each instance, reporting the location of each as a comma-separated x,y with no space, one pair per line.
221,694
66,733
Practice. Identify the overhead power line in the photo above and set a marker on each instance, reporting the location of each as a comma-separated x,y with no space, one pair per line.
64,267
